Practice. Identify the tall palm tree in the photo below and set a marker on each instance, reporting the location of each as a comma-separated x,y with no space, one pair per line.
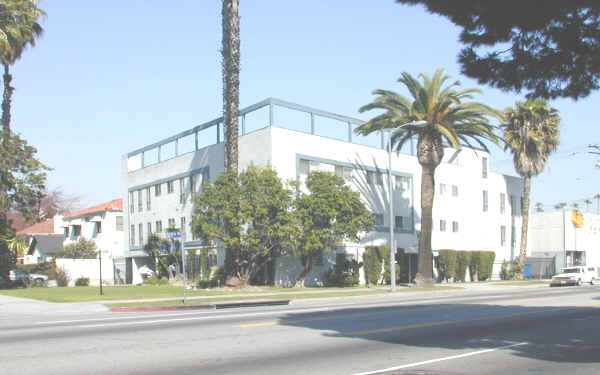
448,120
597,198
19,28
531,134
231,80
539,207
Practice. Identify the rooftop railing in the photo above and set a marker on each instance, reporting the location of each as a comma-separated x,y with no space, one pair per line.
278,113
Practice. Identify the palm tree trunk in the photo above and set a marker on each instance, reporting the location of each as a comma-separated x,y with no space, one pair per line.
6,99
525,220
231,82
425,267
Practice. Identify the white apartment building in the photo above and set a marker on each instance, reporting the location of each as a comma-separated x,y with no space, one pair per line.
474,208
102,224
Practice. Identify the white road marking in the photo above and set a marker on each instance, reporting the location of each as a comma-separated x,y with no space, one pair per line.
464,355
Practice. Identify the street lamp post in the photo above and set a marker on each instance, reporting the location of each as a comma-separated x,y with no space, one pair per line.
391,205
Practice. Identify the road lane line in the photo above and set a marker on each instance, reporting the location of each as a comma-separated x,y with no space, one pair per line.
464,355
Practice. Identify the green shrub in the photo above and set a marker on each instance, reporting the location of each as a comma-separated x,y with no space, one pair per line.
463,261
345,272
82,281
474,265
218,276
386,273
62,277
486,265
48,269
373,260
447,264
155,281
204,270
510,270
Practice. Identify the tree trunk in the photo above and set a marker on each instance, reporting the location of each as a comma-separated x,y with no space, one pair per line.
425,268
308,266
525,221
429,154
231,82
6,99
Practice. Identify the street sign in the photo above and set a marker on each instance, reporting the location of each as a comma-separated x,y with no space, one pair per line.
173,234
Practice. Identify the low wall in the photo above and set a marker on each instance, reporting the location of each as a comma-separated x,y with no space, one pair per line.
89,268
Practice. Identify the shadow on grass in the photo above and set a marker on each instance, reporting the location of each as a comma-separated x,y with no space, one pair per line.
559,334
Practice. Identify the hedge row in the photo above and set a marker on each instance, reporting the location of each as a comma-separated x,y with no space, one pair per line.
453,264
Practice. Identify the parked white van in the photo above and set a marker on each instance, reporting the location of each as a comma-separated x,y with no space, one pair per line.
576,276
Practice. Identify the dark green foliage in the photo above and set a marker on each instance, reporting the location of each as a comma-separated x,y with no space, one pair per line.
48,269
550,48
62,277
447,264
486,264
373,260
463,261
204,270
474,265
385,252
218,276
329,213
510,270
345,272
250,215
82,249
82,281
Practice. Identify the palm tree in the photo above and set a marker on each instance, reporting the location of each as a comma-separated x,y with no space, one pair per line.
446,120
19,28
587,203
575,206
597,198
231,80
539,207
531,134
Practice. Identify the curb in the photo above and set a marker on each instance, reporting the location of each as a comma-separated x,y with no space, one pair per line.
212,306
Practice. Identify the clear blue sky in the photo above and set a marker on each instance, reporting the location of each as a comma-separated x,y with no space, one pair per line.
111,76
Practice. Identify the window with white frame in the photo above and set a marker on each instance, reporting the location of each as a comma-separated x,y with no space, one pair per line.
403,183
343,172
158,225
304,167
140,201
132,235
149,229
148,197
374,178
141,233
170,186
119,223
379,219
485,201
442,225
181,190
455,226
484,167
157,190
183,227
171,223
454,190
502,203
502,235
442,189
131,205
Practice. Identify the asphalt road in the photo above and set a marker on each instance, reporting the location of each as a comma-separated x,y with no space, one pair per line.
512,331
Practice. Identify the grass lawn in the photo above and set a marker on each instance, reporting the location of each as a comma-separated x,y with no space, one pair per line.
111,293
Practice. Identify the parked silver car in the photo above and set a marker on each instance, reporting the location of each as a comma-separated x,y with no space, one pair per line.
22,276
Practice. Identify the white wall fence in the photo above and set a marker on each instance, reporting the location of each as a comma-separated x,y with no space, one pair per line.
89,268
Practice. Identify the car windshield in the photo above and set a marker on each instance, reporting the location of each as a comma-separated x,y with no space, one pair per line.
572,270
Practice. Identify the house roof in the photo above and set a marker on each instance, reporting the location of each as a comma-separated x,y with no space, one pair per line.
114,205
47,243
43,227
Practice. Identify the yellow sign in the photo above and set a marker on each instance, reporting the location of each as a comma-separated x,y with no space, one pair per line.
577,219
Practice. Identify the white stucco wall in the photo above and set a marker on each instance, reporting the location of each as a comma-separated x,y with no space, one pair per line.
89,268
109,240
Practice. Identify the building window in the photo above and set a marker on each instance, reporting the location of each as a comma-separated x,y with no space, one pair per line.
148,195
442,189
157,190
513,237
374,178
399,222
119,222
502,203
343,172
502,235
485,201
132,235
171,223
304,167
158,225
76,230
131,205
170,187
484,167
97,227
141,234
454,191
66,232
192,184
183,227
181,191
442,225
140,201
379,219
455,226
403,183
149,229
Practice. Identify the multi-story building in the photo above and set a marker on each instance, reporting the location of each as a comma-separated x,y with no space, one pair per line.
474,208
